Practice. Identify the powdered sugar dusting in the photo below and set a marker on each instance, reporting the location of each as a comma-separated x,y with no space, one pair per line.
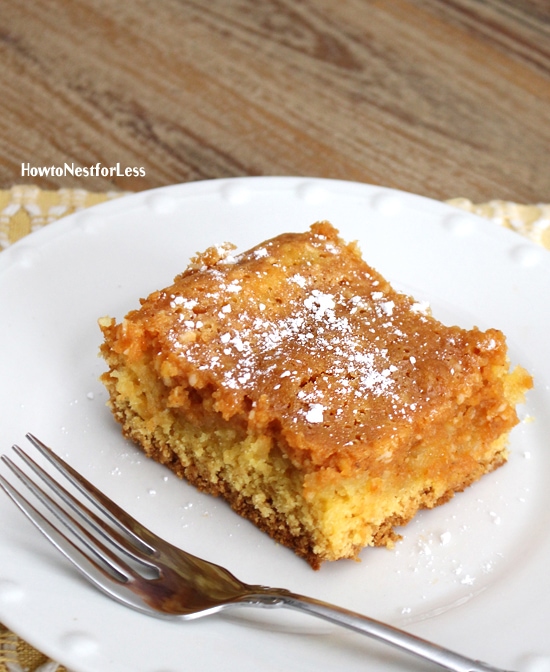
320,304
299,280
315,413
329,349
422,307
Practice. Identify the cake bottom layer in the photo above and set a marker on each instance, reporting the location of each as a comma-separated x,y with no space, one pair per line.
320,515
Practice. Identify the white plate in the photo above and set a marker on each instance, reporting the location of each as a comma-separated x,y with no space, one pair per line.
471,575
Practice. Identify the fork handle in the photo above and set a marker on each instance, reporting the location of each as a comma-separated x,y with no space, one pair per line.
277,598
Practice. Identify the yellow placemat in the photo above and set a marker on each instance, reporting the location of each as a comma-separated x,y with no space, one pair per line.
18,656
532,221
24,209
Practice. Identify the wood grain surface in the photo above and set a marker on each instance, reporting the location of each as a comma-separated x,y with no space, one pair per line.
439,97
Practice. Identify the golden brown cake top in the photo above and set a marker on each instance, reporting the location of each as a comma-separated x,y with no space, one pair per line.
301,337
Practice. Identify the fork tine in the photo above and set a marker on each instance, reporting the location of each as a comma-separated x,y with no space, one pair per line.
107,559
116,587
140,535
91,569
166,554
111,535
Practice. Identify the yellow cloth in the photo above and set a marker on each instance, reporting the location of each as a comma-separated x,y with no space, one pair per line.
24,209
532,221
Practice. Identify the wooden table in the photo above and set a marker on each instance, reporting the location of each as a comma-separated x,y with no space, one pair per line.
440,97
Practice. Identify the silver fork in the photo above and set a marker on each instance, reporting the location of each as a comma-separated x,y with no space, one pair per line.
134,566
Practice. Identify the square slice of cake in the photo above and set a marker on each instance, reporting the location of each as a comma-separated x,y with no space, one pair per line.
322,404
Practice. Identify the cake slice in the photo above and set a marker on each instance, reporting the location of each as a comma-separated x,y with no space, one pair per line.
323,405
